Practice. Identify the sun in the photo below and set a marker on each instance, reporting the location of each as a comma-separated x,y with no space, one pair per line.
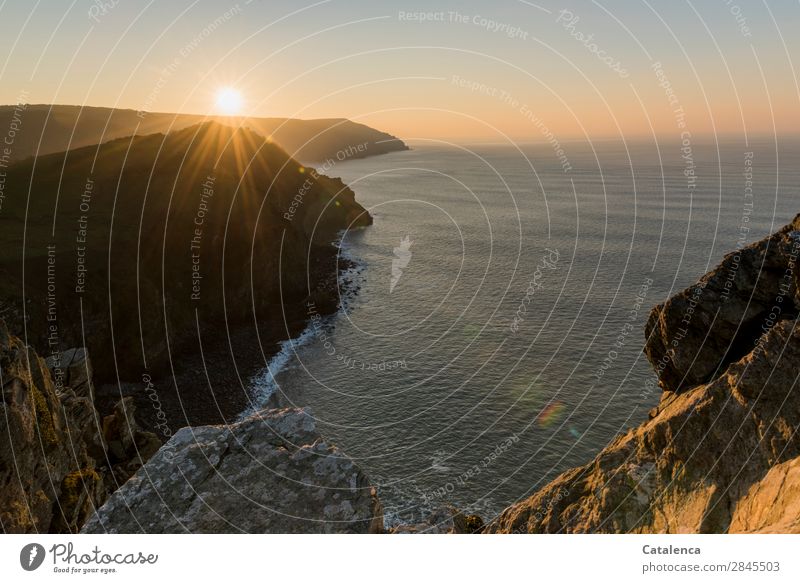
229,101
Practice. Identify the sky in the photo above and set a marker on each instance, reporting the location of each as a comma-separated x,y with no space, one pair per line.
456,71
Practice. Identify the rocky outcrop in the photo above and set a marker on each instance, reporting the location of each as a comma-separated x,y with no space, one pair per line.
444,520
720,451
772,504
46,475
61,461
693,336
270,473
56,466
128,446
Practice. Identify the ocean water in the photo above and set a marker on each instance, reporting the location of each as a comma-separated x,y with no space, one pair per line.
492,333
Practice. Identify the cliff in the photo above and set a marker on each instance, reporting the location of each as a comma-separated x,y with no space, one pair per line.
62,461
720,453
153,251
45,129
59,459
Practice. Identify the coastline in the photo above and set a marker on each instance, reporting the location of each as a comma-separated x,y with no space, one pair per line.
189,356
263,385
219,385
131,385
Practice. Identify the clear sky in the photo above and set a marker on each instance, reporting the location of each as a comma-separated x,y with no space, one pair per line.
460,71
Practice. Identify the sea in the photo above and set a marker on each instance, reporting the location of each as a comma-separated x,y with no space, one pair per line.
491,331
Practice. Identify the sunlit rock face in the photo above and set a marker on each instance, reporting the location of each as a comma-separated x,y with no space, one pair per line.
720,451
58,459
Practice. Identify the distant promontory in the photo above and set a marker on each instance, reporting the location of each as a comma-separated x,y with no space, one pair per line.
45,129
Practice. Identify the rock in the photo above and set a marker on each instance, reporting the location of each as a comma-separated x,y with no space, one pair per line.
773,504
270,473
55,465
128,445
694,335
72,369
706,462
48,478
71,373
720,451
444,520
82,491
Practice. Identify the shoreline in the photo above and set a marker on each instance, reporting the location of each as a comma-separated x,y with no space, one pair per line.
349,273
217,386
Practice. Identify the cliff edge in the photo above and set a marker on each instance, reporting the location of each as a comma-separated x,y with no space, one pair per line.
720,453
270,473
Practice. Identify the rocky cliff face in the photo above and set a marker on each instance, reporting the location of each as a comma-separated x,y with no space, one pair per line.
696,334
720,452
61,461
58,459
271,473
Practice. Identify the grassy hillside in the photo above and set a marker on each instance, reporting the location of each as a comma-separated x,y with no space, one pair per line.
155,237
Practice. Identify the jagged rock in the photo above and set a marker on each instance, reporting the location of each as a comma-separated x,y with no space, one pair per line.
48,481
71,373
694,335
128,445
271,472
82,491
720,451
705,462
444,520
55,464
118,446
72,369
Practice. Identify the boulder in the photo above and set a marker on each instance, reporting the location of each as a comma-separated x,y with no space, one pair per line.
270,473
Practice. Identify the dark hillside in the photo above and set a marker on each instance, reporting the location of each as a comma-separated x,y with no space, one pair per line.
133,246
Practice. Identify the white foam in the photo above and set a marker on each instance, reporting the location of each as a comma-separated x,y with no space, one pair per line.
264,384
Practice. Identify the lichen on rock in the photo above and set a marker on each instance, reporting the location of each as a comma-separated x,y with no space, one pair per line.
54,463
270,473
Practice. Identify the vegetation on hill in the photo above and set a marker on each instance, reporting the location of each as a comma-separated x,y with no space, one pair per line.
45,129
137,247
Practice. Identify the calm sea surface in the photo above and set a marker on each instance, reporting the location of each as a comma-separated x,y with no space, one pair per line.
496,335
